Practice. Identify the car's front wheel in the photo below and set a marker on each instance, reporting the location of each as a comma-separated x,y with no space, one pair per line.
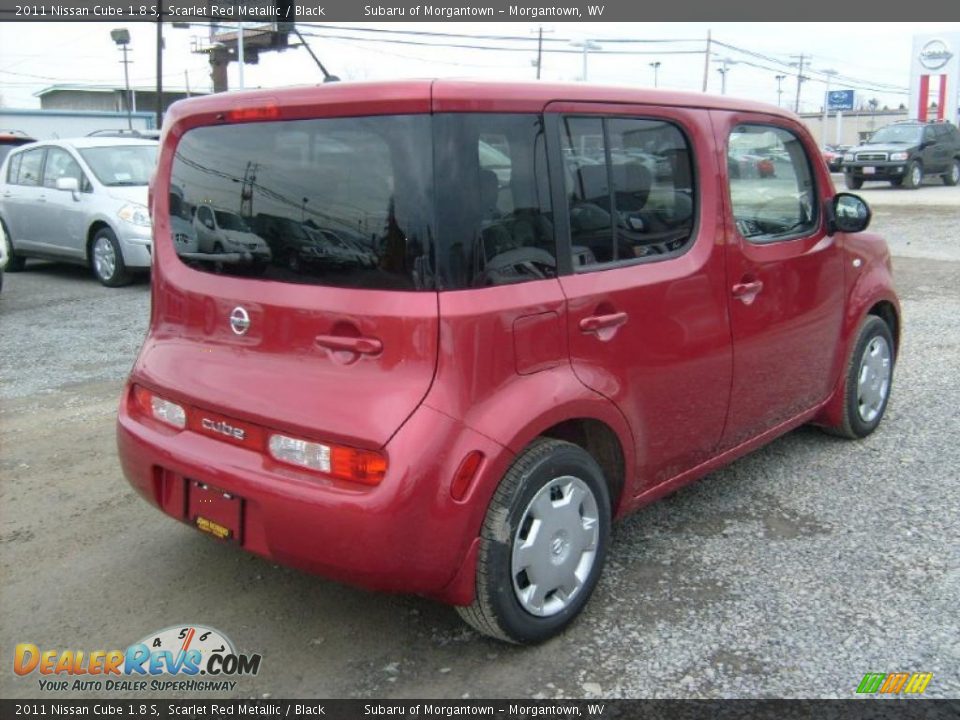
868,380
914,175
543,544
107,260
852,182
952,176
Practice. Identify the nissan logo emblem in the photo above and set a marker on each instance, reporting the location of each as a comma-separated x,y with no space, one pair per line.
935,54
239,321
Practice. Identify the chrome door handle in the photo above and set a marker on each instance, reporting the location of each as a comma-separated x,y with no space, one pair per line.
596,323
747,291
359,345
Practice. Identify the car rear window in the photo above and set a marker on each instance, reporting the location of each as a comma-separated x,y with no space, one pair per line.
399,202
342,201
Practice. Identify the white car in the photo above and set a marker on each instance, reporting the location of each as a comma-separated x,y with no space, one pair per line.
82,201
222,232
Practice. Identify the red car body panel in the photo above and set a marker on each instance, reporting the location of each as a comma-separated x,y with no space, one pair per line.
693,379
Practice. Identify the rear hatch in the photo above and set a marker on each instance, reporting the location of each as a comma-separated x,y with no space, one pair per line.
318,314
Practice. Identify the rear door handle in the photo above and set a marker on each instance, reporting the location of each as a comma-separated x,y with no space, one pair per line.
595,323
359,345
747,291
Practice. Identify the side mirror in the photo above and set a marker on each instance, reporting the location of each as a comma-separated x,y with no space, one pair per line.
208,223
68,183
851,214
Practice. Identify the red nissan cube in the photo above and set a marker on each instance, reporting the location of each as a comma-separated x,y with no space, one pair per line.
434,337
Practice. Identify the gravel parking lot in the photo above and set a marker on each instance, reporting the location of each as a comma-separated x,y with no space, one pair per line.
791,573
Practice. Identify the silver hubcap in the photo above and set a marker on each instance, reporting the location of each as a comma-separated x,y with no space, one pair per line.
915,175
104,259
555,546
873,382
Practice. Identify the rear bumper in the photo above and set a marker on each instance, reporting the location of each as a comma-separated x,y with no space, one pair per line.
406,535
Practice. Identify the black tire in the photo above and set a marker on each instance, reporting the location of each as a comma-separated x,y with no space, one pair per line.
897,182
952,176
856,424
852,183
15,263
111,274
497,610
913,177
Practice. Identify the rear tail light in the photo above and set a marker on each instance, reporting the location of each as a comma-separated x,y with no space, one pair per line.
160,409
343,463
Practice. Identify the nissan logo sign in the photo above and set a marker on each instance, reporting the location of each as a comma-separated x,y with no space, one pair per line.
935,54
239,321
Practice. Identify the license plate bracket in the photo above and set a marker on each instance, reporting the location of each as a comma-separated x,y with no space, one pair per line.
215,511
869,170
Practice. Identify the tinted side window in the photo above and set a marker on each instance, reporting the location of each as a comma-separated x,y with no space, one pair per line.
629,184
771,184
493,200
60,164
30,164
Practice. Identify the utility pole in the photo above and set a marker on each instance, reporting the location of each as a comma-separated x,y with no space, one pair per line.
706,62
538,63
656,72
780,79
826,106
801,59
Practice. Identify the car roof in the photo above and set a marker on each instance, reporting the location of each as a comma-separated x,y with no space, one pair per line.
95,142
450,95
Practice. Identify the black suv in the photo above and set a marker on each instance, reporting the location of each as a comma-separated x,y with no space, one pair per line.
904,153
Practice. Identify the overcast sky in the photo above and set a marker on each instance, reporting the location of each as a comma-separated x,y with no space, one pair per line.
877,55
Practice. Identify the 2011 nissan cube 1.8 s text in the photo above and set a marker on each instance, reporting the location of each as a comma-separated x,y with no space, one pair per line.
493,319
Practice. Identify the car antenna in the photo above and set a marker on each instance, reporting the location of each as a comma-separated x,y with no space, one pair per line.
327,77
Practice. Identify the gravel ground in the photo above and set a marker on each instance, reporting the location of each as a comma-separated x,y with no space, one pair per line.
791,573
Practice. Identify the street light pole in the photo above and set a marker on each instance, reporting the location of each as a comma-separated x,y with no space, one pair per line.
121,36
241,58
726,63
826,106
656,72
780,79
587,46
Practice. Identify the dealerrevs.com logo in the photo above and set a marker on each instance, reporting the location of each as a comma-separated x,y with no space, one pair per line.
181,657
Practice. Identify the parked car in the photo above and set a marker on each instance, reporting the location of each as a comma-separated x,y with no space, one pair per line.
466,419
904,153
10,139
82,201
833,157
221,232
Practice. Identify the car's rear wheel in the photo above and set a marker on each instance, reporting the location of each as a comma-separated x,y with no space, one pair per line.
543,544
107,260
952,176
852,182
15,263
914,175
868,380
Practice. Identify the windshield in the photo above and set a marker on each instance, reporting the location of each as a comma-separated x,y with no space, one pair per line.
121,165
229,221
896,134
